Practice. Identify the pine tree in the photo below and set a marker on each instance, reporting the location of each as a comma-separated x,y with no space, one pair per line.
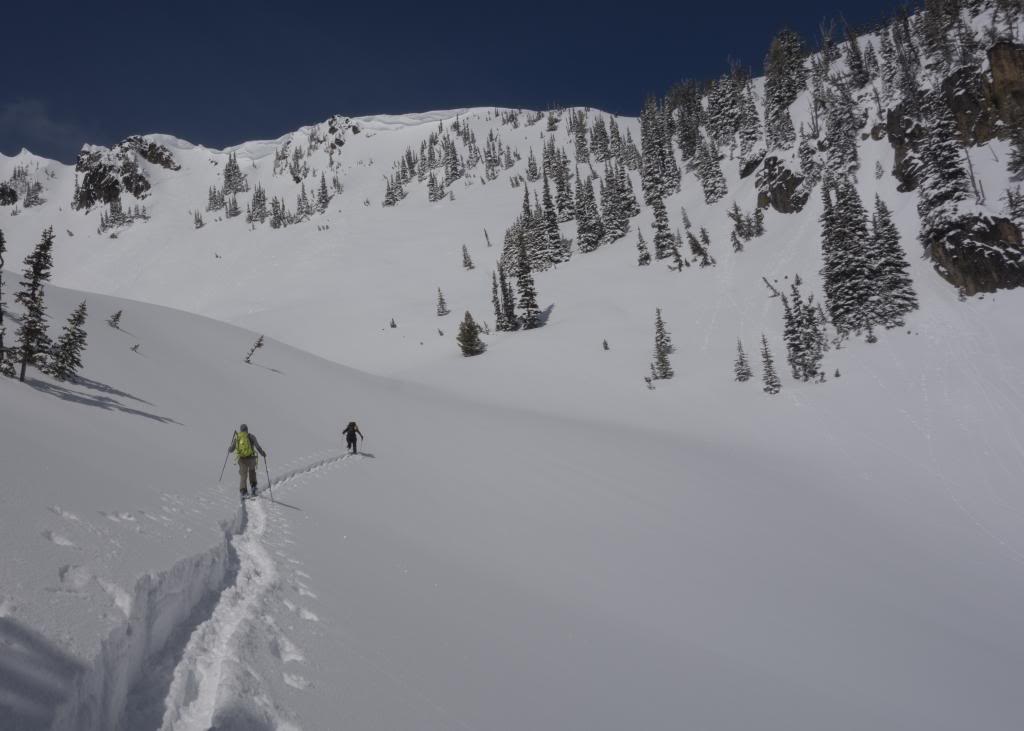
589,226
508,301
467,263
115,320
737,245
709,171
842,123
530,317
67,356
442,306
323,198
661,367
532,173
555,250
469,337
33,342
662,233
643,253
896,289
769,377
504,314
234,180
855,60
255,346
849,274
741,367
785,76
652,152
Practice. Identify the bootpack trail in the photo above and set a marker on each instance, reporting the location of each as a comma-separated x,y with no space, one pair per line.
213,675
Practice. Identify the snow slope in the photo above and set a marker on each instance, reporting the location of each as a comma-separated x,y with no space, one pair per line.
532,539
484,567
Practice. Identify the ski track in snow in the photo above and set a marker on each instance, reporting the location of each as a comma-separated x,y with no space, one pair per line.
212,672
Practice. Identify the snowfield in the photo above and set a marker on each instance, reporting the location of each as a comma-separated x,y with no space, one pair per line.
528,539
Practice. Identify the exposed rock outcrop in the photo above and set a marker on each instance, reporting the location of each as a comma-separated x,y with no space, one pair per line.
107,173
1007,63
978,254
779,187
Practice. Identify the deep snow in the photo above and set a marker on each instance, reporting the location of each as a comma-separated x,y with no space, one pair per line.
531,539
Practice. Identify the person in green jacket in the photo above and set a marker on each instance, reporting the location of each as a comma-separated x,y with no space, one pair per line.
245,445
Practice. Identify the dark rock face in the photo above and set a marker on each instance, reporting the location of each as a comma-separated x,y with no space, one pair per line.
904,132
106,174
747,167
779,187
978,254
152,153
8,195
337,126
1007,62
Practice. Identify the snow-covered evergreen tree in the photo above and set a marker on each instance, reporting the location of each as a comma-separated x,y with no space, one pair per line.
709,171
661,367
467,263
769,377
442,306
662,232
741,367
67,353
643,253
589,226
530,311
323,198
235,180
896,296
252,350
33,342
468,337
848,272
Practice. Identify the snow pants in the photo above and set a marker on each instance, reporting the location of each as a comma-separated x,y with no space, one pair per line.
351,443
246,468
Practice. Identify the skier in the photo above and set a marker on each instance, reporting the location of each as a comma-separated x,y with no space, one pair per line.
350,432
245,446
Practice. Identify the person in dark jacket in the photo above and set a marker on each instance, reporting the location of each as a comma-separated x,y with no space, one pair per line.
350,433
245,446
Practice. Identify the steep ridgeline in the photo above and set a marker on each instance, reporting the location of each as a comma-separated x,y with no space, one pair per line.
817,179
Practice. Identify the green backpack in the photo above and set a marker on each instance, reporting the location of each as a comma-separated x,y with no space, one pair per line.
243,446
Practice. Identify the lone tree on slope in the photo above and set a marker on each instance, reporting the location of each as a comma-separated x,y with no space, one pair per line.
661,368
469,337
255,346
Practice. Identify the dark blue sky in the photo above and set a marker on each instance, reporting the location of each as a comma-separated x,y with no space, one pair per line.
223,72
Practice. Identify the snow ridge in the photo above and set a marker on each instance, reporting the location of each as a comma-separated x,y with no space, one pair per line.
160,604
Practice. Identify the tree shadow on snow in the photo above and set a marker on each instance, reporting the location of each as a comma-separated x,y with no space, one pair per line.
35,677
109,390
103,401
546,313
268,368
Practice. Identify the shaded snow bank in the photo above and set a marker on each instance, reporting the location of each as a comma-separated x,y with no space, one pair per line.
163,605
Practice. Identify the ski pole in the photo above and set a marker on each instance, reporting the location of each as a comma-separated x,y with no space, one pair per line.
234,435
269,485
